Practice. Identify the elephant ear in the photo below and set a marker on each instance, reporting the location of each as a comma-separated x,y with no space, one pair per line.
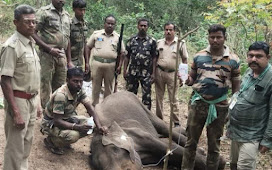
119,138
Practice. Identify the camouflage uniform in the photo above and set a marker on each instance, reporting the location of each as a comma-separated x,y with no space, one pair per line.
214,78
78,35
20,61
63,103
165,74
141,52
54,30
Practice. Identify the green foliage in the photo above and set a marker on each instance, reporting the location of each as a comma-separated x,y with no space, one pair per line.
247,21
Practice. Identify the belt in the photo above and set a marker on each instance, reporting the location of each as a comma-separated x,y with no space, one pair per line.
22,94
104,60
166,70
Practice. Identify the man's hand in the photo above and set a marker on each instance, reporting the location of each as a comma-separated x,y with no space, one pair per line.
70,65
125,74
56,52
263,149
18,121
39,111
118,70
82,128
103,130
87,68
153,78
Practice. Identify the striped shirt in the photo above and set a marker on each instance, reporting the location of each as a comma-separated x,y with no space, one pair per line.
214,74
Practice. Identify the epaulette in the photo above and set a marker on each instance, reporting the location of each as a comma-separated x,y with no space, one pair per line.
97,31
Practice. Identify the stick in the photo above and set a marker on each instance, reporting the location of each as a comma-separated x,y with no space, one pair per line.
173,96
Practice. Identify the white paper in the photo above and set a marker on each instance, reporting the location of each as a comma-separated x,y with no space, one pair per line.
90,122
183,71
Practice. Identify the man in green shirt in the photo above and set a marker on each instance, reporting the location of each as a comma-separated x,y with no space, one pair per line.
61,122
250,111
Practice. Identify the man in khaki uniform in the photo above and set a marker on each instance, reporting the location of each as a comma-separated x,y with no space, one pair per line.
61,122
78,35
103,44
166,66
53,25
20,79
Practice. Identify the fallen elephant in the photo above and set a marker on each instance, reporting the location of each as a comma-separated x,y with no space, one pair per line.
136,138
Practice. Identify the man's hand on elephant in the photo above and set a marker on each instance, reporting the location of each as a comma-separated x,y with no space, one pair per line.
103,130
263,149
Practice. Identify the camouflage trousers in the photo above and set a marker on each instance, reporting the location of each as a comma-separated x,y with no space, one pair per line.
198,113
133,84
53,74
79,62
59,137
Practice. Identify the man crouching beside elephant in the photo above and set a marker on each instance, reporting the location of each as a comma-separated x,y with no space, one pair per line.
61,122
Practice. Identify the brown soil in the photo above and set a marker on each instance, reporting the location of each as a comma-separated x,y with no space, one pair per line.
77,158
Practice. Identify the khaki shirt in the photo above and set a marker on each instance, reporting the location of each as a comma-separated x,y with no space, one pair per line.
168,53
20,61
78,37
54,27
103,45
64,103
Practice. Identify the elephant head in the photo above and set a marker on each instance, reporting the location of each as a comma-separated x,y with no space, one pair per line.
114,151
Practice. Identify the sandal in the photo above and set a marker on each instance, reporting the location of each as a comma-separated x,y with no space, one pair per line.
49,145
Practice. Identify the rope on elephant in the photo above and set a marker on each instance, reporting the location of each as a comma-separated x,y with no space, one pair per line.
168,153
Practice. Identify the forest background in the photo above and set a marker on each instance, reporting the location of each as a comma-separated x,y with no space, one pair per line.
246,20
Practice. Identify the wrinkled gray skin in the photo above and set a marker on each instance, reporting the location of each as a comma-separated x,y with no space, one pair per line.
147,132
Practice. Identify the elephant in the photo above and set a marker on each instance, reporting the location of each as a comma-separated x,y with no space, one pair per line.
137,137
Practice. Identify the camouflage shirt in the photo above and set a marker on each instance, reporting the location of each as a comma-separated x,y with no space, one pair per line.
141,52
62,102
214,74
78,36
54,27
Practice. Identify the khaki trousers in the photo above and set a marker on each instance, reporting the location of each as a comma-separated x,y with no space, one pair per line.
164,79
53,75
102,72
18,142
244,155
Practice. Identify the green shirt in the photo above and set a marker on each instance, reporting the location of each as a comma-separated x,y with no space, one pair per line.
64,103
78,36
53,26
251,116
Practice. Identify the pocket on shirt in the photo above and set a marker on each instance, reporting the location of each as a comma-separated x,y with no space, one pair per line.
29,60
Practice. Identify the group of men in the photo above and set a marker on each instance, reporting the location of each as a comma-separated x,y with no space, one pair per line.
34,83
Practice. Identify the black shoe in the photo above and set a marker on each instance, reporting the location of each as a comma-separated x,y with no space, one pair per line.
50,146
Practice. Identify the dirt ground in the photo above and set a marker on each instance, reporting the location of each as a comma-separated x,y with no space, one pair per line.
77,158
